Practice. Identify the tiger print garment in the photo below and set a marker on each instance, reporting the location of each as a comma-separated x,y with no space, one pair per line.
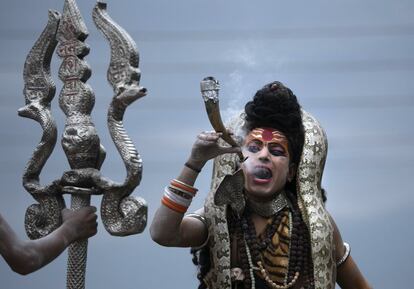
275,257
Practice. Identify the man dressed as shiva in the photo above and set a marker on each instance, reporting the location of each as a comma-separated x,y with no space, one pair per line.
264,222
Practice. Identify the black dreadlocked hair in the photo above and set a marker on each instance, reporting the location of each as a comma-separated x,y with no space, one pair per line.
276,106
201,258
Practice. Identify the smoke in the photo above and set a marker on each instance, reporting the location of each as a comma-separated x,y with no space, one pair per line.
238,86
245,55
239,92
250,74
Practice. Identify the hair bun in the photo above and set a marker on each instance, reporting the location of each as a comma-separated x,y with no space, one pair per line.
276,106
274,86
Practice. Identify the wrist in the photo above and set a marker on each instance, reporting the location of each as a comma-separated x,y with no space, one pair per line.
68,233
195,165
178,196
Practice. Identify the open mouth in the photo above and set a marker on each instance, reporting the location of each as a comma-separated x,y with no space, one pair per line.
262,173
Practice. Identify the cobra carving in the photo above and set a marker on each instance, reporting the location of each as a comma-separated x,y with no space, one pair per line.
122,214
39,90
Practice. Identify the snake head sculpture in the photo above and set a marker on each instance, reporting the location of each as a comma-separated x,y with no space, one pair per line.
230,192
121,213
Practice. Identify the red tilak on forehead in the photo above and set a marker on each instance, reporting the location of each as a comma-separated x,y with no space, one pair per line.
267,134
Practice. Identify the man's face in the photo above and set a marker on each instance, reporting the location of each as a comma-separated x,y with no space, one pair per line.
267,167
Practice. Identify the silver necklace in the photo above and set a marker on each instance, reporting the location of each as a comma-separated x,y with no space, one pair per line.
269,208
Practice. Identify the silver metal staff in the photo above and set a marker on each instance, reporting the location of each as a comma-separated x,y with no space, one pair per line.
121,213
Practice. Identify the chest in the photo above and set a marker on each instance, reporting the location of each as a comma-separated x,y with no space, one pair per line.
268,242
268,252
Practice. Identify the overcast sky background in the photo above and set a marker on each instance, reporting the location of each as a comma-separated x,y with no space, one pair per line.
349,62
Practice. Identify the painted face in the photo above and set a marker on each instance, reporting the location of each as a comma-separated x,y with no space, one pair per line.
267,167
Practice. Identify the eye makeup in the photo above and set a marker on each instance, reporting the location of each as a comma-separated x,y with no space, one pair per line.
276,142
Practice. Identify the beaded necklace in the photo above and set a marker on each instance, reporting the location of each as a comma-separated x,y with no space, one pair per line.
253,249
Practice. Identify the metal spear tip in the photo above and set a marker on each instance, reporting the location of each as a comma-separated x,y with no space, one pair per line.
209,83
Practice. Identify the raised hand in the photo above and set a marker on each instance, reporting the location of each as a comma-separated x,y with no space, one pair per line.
206,147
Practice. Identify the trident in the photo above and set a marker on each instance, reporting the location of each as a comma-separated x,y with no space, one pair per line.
121,213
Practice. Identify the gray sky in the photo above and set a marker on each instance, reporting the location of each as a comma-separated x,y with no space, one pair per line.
349,62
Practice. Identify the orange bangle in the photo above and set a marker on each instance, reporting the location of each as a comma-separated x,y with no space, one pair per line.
173,206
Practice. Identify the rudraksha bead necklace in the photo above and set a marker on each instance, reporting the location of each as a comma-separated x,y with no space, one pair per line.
250,247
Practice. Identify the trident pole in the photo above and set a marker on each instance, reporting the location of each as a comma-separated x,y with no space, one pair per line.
121,213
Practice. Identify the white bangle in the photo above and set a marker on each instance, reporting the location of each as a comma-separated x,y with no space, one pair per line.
345,256
177,198
204,221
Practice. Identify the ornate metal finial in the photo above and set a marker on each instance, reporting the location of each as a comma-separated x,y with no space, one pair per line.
121,213
209,91
210,88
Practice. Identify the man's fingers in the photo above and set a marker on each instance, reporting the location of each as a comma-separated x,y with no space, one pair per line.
91,208
88,209
211,136
65,211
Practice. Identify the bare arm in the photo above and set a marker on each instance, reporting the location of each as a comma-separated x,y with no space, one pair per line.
172,229
348,274
27,256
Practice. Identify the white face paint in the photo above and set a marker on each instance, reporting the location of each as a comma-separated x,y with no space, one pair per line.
267,167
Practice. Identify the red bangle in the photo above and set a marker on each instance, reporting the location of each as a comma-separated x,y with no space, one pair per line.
173,206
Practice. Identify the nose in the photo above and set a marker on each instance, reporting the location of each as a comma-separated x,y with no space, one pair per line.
264,155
